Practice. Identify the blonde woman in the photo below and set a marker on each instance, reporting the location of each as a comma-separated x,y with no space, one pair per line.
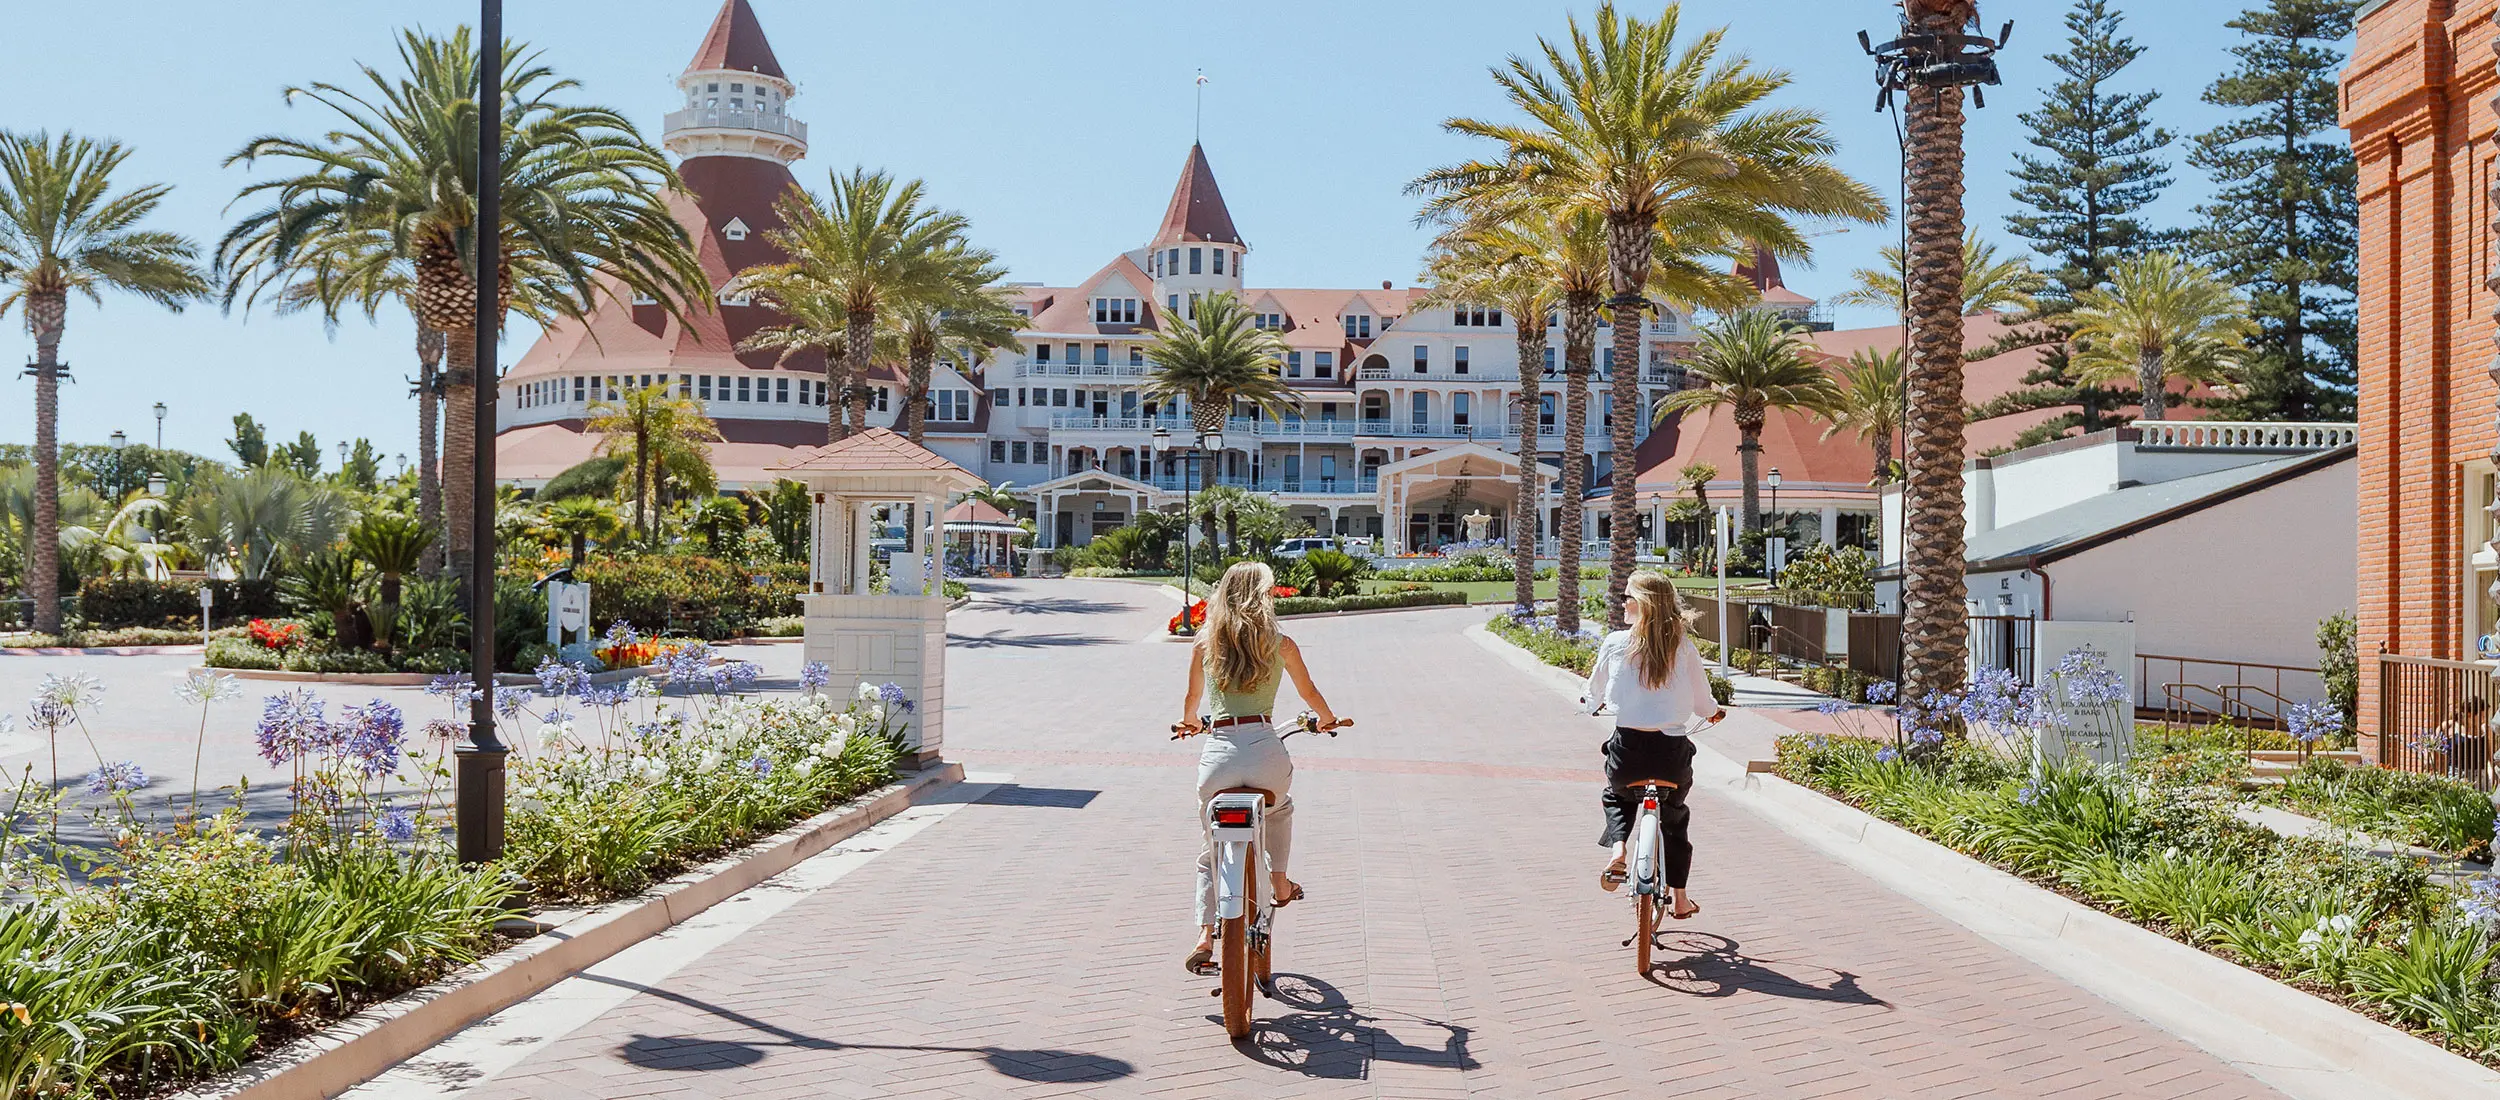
1235,668
1654,678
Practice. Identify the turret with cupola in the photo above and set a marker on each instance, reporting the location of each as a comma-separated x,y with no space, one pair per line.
737,97
1196,252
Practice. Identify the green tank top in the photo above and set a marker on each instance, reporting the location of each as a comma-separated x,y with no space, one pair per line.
1260,699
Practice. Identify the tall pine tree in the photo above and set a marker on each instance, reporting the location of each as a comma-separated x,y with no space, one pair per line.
2098,163
2284,222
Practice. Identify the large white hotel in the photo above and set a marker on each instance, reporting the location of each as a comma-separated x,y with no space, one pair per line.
1408,422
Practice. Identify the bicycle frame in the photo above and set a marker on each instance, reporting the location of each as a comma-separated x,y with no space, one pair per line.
1238,821
1649,844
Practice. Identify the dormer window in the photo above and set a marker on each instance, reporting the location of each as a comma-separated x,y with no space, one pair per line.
1358,326
1115,311
736,230
1475,317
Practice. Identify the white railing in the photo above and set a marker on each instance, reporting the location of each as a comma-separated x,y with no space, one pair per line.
1081,370
2244,435
1318,486
1181,428
724,118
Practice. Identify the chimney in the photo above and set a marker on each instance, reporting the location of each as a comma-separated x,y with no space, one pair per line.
1384,284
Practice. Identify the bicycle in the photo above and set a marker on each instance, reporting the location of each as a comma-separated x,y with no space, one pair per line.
1245,928
1646,870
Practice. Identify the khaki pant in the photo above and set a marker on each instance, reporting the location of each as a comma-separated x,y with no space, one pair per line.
1249,755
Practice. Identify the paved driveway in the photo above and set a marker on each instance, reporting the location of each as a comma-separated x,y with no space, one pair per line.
1454,944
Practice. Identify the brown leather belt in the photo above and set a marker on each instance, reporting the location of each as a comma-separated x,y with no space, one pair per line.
1239,720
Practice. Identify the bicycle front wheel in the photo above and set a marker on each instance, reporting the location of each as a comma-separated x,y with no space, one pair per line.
1648,906
1236,969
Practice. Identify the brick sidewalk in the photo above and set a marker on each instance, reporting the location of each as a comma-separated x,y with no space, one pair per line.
1453,944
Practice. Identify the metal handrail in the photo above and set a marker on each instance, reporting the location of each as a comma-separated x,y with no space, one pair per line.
2282,706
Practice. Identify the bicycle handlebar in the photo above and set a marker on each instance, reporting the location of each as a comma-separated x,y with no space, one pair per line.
1306,722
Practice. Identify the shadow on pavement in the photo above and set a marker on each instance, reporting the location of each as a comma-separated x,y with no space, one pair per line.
1055,798
1001,639
1323,1036
689,1054
1716,966
1054,606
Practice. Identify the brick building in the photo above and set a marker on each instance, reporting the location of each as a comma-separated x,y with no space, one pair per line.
2417,99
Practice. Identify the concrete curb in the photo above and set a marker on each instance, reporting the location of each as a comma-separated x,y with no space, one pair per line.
363,1046
100,651
2306,1046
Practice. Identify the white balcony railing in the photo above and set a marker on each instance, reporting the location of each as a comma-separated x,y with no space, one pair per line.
1080,370
2244,435
1180,427
724,118
1323,486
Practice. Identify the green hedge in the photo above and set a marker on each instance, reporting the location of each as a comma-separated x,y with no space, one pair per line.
108,603
1320,605
689,594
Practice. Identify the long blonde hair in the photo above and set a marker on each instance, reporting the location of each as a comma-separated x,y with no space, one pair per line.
1659,636
1241,637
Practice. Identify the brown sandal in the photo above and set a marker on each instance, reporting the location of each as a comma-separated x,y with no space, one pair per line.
1611,877
1200,962
1298,894
1688,914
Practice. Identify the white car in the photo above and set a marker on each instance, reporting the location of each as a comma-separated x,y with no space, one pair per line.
1295,549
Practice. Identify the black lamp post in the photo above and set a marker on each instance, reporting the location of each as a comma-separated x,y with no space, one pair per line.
478,780
160,425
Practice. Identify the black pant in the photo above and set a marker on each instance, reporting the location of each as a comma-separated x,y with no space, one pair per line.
1648,754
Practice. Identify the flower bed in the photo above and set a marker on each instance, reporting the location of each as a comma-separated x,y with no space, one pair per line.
1577,654
1374,601
2375,934
195,942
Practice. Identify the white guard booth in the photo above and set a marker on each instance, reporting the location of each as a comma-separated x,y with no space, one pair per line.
897,636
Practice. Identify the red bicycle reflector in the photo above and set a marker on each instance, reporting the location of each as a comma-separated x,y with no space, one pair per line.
1649,803
1232,815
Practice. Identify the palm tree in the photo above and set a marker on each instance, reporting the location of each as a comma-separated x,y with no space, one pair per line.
1988,283
1752,363
869,246
1500,264
581,519
815,321
1677,152
585,214
1001,496
1935,622
1214,360
655,427
394,546
2160,317
1869,404
959,315
64,230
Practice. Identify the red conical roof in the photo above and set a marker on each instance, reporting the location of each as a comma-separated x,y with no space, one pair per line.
1197,212
737,42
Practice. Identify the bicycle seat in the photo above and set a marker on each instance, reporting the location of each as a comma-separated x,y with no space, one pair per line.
1636,783
1267,796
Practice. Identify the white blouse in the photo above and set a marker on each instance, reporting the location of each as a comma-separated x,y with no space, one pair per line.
1671,707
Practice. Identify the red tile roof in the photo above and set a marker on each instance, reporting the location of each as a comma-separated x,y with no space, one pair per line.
976,511
1197,212
737,42
878,450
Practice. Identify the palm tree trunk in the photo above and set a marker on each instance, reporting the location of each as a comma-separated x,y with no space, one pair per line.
860,329
1530,329
1579,349
1883,460
2152,378
1935,623
46,313
1749,469
459,454
429,467
1628,244
642,482
916,393
837,394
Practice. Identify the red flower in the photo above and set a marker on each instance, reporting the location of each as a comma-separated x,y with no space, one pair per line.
278,636
1283,590
1197,618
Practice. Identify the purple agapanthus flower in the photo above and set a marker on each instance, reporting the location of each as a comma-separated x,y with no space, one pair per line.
892,694
561,677
511,701
399,826
1830,707
690,664
762,766
2029,794
2312,722
118,778
370,737
444,729
1881,691
48,714
814,674
621,632
292,724
455,686
602,697
1887,754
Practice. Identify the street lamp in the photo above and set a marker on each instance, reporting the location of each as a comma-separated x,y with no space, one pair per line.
342,456
120,440
1163,447
402,459
160,425
478,777
156,484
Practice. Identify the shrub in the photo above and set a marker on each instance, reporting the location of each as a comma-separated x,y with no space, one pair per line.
2339,665
2431,811
118,602
592,477
1576,654
689,594
782,626
1843,576
1317,605
335,660
1331,572
232,652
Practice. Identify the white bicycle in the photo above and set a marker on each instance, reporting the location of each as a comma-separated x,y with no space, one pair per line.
1245,914
1646,870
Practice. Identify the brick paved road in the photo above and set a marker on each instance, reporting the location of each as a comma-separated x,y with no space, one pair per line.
1454,944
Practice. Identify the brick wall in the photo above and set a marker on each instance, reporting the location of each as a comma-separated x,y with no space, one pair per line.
2417,100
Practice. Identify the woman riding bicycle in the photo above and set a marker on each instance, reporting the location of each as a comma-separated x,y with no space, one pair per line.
1656,681
1235,668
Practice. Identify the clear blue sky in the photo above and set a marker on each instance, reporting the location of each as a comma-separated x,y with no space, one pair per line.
1058,128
